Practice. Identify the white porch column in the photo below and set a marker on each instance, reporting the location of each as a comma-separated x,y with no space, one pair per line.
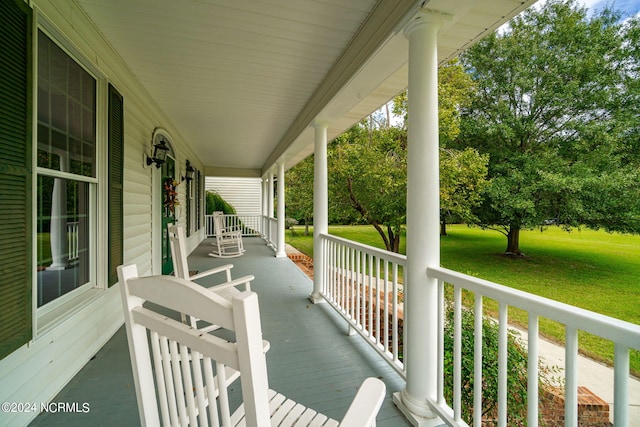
58,231
281,252
265,206
320,206
270,196
423,237
263,183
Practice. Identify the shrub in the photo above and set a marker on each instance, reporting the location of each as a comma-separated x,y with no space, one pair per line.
215,203
516,370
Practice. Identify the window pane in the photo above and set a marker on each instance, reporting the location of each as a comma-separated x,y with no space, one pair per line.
63,237
66,111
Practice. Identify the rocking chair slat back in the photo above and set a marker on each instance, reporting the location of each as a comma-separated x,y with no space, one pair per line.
184,376
228,240
228,289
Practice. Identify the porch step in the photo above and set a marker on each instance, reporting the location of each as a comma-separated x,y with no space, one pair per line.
592,410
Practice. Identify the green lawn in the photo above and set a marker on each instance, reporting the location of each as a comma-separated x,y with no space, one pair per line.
594,270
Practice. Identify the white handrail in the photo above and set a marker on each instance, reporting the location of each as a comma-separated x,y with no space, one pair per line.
272,227
358,279
372,250
623,334
597,324
251,225
362,284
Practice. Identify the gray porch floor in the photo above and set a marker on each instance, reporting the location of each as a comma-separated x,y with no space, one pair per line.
312,360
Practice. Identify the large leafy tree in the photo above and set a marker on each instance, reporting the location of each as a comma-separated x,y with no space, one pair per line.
368,174
367,166
548,110
462,183
368,163
299,184
367,171
454,93
462,172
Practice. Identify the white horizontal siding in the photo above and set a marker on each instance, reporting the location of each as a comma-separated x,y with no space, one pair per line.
244,194
138,186
37,371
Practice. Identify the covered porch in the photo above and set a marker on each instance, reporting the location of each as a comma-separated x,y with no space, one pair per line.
249,89
321,352
312,358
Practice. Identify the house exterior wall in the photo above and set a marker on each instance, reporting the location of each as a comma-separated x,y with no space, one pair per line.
244,194
63,344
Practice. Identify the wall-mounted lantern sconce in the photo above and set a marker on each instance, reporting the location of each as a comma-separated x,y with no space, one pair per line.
160,150
189,172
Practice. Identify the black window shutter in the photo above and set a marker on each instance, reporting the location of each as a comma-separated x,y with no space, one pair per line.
116,178
188,203
199,202
15,176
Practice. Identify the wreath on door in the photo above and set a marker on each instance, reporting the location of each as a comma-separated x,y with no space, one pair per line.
170,195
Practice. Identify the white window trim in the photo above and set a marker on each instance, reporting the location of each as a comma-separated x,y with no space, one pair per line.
55,312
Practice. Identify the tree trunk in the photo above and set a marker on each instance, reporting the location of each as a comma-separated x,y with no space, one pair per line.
387,242
388,116
443,227
513,241
396,243
394,239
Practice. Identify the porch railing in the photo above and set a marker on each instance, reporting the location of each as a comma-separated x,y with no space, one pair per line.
624,336
251,225
270,231
364,285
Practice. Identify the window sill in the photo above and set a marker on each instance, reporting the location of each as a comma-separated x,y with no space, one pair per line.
49,319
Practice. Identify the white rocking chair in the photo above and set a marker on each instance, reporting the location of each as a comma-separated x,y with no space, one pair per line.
227,290
228,240
173,364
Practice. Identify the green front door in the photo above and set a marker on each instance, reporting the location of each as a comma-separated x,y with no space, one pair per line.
168,211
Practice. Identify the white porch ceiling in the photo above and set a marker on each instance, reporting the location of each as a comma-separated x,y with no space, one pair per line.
243,80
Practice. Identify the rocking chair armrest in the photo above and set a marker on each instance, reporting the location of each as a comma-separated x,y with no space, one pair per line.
366,404
246,280
224,268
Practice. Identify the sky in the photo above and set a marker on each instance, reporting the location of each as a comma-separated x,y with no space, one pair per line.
628,6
